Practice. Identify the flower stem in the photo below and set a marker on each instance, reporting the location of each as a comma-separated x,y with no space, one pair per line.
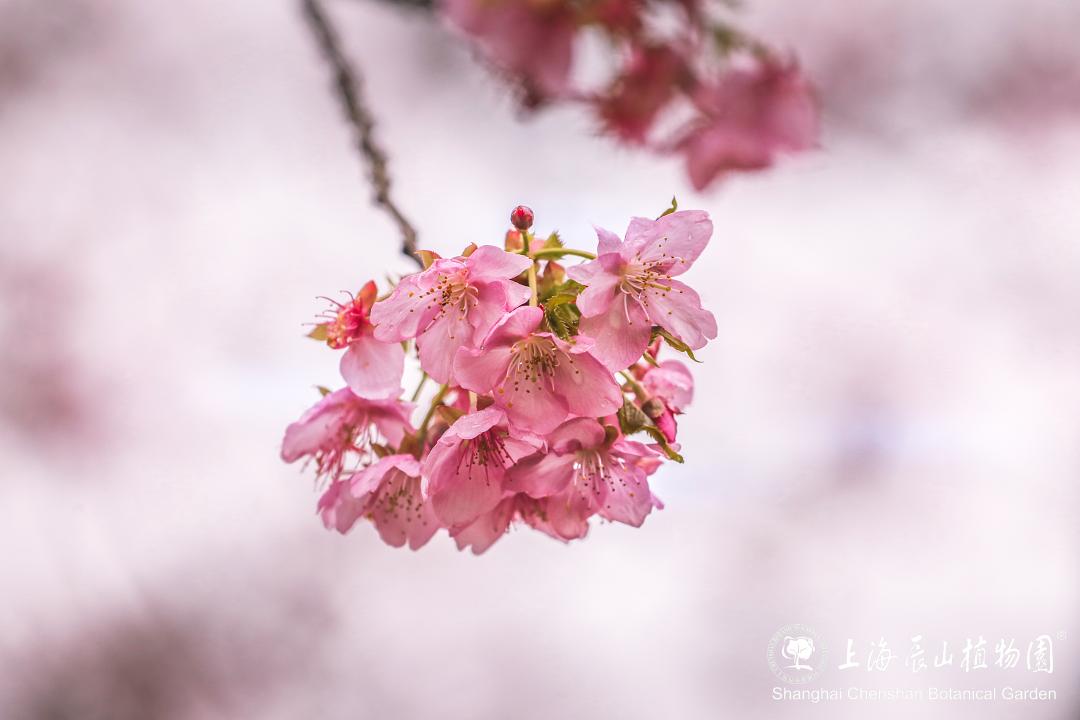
534,299
435,402
639,391
423,381
559,252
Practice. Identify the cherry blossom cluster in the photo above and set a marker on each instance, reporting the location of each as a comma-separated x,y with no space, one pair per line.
545,376
731,103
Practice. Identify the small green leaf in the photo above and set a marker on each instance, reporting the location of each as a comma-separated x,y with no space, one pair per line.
554,240
561,299
673,208
658,436
563,319
324,391
427,257
569,288
673,341
318,332
631,418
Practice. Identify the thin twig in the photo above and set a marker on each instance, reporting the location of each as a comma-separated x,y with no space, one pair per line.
349,86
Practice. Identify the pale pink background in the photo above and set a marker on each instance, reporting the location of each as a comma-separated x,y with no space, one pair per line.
885,440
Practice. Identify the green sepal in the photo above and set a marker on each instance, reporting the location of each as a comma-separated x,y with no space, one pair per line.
563,319
655,434
673,208
631,418
673,341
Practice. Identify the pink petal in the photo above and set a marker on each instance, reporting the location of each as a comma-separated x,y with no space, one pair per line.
491,263
481,370
404,314
521,447
486,529
368,480
569,513
338,509
317,427
713,151
391,418
579,433
532,406
607,241
440,342
472,424
628,499
466,490
401,514
679,311
373,369
672,383
516,295
675,240
541,475
667,424
603,288
585,272
494,300
588,386
514,326
534,513
620,335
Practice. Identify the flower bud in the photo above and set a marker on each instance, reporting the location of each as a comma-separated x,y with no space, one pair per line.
521,217
513,241
653,408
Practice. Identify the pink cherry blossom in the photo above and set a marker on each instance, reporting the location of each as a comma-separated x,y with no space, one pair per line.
387,492
533,40
538,378
672,386
647,84
588,471
371,368
464,471
482,532
672,382
526,428
453,303
343,423
750,114
631,287
337,507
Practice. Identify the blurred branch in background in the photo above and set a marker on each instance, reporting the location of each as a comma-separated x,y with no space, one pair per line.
349,86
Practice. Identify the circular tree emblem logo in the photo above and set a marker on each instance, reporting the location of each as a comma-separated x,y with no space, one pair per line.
796,655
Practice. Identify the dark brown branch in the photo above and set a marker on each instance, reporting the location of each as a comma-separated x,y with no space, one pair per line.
349,87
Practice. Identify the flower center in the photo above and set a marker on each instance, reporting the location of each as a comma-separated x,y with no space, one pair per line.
589,470
639,277
533,360
453,292
399,497
593,468
486,450
345,322
352,440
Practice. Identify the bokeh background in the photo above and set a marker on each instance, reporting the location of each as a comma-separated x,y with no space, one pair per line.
885,439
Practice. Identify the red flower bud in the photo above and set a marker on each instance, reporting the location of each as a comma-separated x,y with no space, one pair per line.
521,217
